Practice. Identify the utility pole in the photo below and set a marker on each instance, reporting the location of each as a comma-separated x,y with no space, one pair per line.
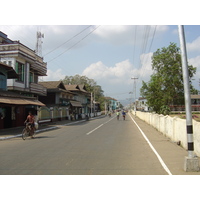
191,162
91,105
134,78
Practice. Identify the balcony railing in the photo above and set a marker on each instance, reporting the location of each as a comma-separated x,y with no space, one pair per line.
19,50
38,89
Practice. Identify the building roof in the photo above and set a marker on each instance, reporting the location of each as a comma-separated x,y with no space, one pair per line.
72,87
11,73
82,88
110,98
52,84
76,88
7,97
4,39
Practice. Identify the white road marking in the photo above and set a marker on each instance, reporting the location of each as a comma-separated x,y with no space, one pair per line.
94,129
153,149
99,127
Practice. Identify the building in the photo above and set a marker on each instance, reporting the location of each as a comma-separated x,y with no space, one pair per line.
112,104
59,101
141,104
195,104
29,67
83,97
13,106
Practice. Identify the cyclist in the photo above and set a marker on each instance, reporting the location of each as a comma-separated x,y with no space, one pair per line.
31,120
118,113
124,114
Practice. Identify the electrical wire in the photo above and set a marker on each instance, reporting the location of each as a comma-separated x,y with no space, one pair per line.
68,40
74,44
141,74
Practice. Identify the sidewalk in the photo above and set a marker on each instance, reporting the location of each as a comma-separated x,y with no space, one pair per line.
172,154
10,133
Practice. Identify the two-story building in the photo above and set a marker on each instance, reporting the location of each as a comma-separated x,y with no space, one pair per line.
59,101
29,67
12,105
82,105
111,104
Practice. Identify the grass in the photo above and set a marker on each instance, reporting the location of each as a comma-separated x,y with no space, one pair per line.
195,116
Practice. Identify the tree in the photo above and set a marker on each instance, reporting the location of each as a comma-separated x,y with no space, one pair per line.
90,84
165,87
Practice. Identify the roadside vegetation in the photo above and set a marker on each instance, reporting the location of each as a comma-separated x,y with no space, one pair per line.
165,87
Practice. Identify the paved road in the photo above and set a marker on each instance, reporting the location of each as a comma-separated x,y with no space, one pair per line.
103,146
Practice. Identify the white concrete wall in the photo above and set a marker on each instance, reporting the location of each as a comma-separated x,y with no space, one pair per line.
173,128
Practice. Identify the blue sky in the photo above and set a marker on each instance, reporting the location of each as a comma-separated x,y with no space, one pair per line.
109,54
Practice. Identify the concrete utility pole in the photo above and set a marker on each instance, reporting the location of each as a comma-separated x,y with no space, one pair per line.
191,162
134,78
91,105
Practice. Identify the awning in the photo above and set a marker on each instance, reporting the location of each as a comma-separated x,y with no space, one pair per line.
20,101
76,103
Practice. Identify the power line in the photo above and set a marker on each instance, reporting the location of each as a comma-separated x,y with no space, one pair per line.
68,40
141,74
74,44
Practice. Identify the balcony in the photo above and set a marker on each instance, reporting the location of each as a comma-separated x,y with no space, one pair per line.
19,50
38,89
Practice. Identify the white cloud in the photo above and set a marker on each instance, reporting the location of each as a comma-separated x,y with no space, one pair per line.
146,69
194,45
127,34
54,75
196,63
119,73
116,74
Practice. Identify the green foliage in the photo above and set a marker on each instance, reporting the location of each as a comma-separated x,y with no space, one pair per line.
166,84
165,110
90,84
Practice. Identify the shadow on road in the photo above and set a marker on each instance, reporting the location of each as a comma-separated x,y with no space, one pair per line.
42,137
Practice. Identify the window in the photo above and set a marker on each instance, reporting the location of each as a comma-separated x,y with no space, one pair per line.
31,77
2,81
20,71
10,63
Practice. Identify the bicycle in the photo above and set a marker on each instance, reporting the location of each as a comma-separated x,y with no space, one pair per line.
27,131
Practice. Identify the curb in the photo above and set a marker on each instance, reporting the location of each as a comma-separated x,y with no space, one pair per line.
47,129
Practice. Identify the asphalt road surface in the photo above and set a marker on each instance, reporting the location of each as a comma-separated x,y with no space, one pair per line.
104,146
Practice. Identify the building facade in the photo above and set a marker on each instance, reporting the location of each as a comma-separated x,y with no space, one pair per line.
13,106
28,65
24,88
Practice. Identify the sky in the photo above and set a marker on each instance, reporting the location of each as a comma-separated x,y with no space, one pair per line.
110,54
117,47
